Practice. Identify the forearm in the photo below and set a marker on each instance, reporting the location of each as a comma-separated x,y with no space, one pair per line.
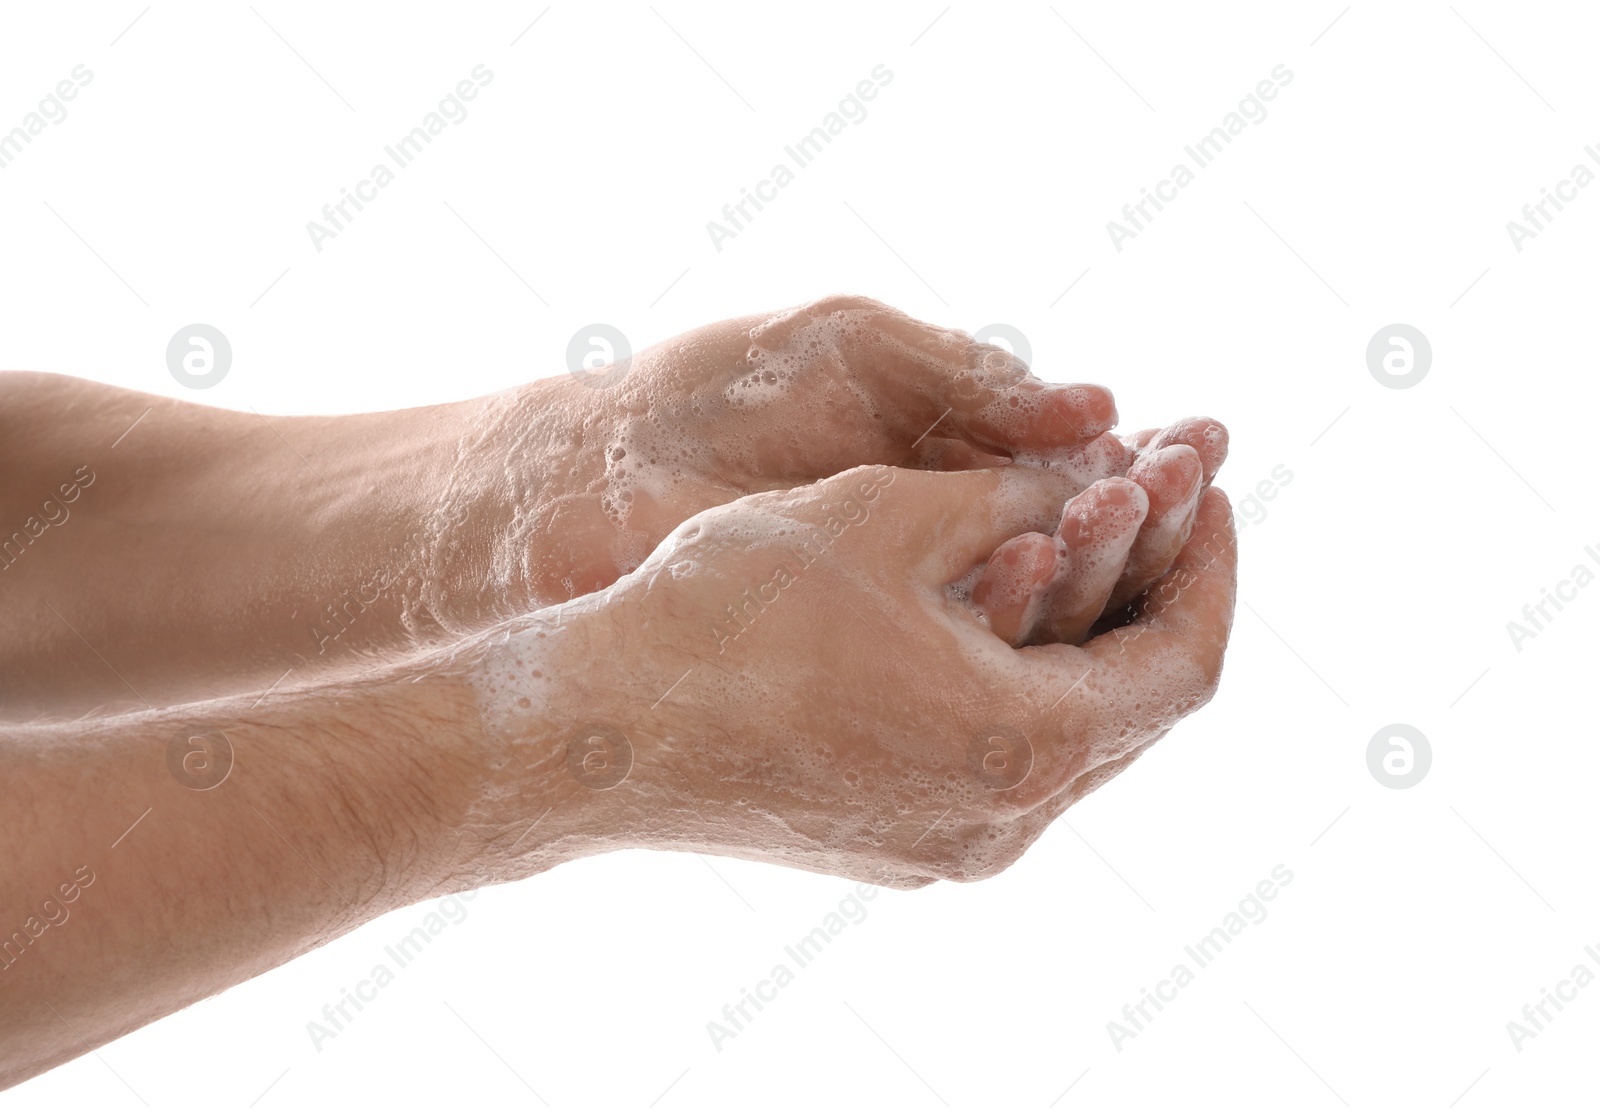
139,880
204,551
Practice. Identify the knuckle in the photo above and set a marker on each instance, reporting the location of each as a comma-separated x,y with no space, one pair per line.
845,303
1094,778
997,368
978,851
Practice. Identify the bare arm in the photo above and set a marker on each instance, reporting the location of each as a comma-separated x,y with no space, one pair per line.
732,695
154,551
156,858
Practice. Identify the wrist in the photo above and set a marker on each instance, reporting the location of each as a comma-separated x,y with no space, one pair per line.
382,774
568,736
528,525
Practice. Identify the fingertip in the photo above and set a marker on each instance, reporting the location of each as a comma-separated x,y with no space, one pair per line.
1171,475
1086,409
1121,491
1216,438
1116,491
1112,498
1009,589
1206,436
1029,417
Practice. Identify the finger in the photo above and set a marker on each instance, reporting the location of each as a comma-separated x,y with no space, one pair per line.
1098,528
1171,477
1092,778
934,379
1106,455
1107,699
1136,442
945,524
1099,459
1206,436
1169,658
946,454
1010,590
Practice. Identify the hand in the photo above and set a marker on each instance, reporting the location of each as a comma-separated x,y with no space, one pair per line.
793,679
1116,538
771,401
340,540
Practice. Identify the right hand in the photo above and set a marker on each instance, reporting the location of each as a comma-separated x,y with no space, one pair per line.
835,708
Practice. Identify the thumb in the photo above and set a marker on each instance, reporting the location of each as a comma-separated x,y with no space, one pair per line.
948,522
934,381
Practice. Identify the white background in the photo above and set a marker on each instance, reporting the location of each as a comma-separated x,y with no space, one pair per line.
1375,587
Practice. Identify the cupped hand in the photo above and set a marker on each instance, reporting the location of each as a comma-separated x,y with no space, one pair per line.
797,679
1115,539
772,401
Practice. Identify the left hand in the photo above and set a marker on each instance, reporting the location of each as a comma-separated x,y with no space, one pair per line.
774,401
